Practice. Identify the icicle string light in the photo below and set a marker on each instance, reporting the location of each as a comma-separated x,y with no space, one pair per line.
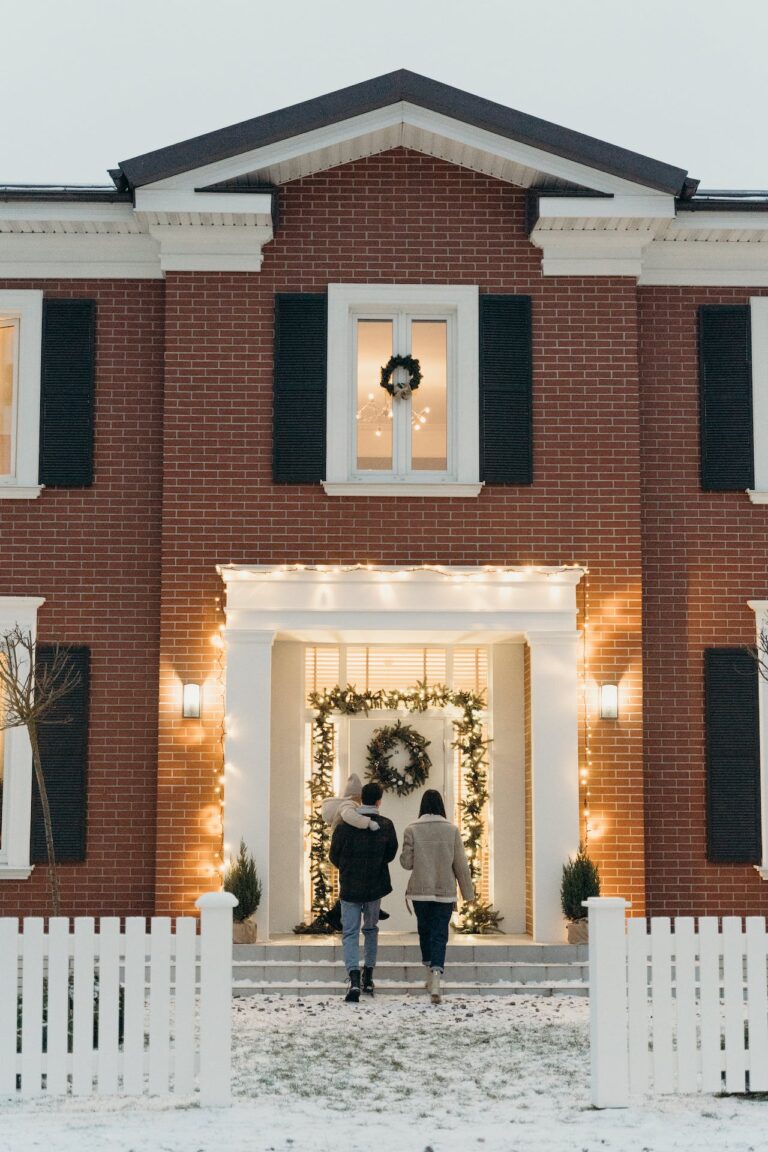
219,772
586,767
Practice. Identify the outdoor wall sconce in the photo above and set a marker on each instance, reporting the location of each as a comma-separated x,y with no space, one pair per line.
609,701
190,701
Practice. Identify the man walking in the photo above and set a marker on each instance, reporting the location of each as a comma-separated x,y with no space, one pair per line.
362,857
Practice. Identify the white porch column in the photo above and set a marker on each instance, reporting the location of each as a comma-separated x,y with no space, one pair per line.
760,609
554,769
246,752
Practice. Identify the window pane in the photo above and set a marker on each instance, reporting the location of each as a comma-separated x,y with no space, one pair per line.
374,411
2,782
7,355
3,746
429,344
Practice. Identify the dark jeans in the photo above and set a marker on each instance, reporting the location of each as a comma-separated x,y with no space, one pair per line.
433,919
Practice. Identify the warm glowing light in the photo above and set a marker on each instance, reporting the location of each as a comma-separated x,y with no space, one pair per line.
609,701
190,701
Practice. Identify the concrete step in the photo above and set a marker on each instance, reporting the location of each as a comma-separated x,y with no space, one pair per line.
462,972
400,988
315,967
329,950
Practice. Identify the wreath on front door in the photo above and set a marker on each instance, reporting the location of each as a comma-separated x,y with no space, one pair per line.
379,765
401,390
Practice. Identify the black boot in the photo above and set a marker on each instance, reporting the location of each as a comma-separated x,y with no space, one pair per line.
353,992
383,915
368,987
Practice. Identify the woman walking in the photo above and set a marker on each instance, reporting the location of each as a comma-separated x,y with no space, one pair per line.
435,856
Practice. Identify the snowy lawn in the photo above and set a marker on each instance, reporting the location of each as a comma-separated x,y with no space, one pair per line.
318,1075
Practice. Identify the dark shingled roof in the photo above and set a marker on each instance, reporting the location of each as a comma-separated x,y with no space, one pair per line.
391,89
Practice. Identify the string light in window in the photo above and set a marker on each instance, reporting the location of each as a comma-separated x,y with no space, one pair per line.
378,412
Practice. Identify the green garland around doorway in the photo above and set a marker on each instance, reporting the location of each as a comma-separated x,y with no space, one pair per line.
476,916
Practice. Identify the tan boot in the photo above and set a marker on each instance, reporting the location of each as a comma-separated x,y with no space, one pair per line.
434,986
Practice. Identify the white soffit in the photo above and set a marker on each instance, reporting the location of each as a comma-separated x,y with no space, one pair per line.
402,125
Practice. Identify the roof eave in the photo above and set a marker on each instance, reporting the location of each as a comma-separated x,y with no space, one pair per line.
393,88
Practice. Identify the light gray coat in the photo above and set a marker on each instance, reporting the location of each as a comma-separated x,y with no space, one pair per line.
435,856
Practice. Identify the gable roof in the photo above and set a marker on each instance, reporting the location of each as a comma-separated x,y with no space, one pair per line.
411,88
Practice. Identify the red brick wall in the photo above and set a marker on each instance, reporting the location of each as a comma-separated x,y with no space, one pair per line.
705,555
94,554
398,217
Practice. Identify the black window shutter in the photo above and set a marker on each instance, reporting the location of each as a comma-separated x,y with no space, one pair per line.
733,756
64,756
66,393
301,321
725,398
506,390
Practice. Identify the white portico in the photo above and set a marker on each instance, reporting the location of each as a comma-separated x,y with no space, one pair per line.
273,612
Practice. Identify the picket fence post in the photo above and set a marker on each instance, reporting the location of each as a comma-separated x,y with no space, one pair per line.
216,996
609,1048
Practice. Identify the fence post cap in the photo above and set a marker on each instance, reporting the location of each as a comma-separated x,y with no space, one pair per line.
216,900
606,902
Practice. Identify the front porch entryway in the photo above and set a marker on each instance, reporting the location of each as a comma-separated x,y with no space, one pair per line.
508,633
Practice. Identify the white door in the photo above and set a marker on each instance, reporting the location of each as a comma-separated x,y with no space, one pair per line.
403,810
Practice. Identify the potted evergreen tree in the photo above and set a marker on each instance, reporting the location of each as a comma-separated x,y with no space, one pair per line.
242,881
581,880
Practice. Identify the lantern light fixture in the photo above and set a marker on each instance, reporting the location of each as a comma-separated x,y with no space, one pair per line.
190,701
609,701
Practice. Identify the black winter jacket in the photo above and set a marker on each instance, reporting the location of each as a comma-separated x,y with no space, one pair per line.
361,857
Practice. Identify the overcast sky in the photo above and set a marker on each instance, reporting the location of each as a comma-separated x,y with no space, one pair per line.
86,83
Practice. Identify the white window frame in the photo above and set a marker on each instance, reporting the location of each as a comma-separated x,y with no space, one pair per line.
17,766
760,609
25,307
348,303
758,306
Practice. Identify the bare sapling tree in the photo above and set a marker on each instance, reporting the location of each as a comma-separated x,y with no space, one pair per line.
29,693
762,652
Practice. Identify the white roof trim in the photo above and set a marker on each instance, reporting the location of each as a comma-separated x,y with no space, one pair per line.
411,126
642,237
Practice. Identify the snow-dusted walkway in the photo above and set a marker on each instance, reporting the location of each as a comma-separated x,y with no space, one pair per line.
398,1076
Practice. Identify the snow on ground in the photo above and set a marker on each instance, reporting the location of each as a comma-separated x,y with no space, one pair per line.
398,1075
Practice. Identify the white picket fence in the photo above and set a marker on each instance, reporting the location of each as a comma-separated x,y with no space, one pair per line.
176,989
676,1009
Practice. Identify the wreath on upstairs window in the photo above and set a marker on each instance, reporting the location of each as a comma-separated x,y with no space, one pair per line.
402,389
379,767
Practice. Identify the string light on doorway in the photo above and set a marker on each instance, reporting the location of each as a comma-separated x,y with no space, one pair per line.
586,767
219,777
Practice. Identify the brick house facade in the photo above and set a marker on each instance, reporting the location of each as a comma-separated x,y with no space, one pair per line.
609,565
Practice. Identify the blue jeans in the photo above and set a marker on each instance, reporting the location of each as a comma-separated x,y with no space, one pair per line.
433,919
350,929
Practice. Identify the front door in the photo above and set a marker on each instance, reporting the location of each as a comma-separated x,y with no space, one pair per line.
403,810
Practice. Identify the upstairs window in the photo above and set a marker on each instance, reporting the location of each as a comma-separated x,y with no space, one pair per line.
21,318
427,439
9,366
468,422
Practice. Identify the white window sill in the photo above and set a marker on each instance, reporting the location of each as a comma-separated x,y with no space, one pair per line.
757,497
400,488
9,872
762,870
20,492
